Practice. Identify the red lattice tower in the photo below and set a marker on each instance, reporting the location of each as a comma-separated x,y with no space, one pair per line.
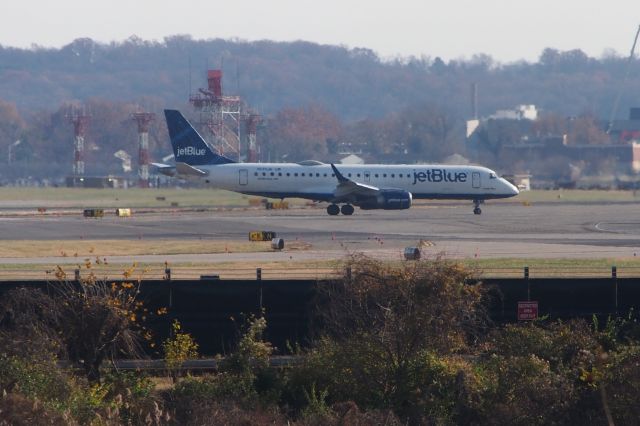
143,119
79,119
220,114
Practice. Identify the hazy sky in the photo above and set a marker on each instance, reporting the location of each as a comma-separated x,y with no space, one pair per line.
508,30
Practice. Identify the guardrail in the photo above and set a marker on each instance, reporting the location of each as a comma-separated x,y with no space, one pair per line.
203,364
116,272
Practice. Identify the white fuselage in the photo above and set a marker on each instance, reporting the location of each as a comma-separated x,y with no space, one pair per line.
318,182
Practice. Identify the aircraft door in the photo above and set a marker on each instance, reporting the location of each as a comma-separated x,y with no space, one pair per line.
475,179
244,176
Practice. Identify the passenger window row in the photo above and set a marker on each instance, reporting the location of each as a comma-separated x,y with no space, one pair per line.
302,174
294,174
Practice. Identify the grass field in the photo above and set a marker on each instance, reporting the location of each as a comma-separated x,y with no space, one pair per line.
579,196
121,198
172,197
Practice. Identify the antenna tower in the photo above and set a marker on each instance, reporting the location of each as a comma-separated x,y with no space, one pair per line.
79,119
143,119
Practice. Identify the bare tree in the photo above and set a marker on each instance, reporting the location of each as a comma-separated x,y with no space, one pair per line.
87,322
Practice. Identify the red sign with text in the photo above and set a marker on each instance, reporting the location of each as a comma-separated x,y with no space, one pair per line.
527,311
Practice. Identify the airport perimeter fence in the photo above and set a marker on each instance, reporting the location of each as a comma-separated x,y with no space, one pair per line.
117,272
159,272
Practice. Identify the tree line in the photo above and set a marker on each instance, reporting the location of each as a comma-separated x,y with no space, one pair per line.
351,83
317,100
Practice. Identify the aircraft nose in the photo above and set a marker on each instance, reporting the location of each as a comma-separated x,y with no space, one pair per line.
511,188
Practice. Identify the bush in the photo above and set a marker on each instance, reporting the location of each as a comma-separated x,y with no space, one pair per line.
544,373
35,379
407,308
622,381
244,380
178,348
51,390
18,410
391,335
132,396
524,390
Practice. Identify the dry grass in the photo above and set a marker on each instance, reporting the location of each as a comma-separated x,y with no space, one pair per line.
102,267
93,248
67,198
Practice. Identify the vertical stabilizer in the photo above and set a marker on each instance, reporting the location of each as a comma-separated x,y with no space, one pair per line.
188,146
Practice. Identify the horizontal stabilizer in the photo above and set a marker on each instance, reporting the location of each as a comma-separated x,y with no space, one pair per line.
185,169
165,169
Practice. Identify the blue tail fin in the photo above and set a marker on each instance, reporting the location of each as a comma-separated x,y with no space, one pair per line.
188,145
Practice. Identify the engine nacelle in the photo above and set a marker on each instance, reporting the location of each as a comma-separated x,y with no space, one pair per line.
388,199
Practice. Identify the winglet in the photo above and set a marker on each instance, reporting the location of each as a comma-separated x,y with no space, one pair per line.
339,175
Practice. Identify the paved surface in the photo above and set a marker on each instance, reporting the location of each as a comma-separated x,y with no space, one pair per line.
503,230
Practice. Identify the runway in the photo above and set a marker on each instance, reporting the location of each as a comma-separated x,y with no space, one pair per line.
504,230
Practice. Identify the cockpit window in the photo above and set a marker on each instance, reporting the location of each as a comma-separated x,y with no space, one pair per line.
492,176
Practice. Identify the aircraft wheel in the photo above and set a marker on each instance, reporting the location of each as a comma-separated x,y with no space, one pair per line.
333,209
347,210
477,210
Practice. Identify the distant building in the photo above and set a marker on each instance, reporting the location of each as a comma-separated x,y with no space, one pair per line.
522,181
352,159
521,112
96,182
510,138
627,130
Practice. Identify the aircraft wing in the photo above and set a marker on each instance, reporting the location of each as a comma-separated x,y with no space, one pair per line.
350,191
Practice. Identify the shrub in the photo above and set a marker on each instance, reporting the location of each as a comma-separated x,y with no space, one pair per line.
524,390
622,381
178,348
34,378
390,336
244,380
17,409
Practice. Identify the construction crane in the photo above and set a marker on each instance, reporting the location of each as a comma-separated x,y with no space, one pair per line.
624,80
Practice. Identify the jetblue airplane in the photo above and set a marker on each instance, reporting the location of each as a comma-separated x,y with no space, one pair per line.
368,186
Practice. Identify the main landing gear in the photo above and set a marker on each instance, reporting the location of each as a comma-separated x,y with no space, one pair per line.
334,209
476,205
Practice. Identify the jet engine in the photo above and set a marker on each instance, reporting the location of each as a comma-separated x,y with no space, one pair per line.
388,199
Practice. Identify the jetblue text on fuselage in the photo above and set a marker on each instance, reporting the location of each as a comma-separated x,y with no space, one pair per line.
439,175
190,150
